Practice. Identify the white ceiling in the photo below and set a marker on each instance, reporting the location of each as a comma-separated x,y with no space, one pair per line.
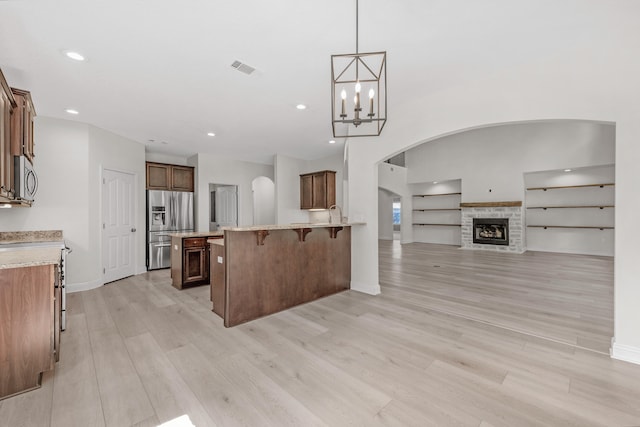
161,70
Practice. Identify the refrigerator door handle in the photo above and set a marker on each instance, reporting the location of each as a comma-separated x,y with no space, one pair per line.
174,214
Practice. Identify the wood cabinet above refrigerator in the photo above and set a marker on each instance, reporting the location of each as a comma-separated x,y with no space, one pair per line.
162,176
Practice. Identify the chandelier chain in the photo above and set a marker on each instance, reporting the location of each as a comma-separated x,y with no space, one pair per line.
357,26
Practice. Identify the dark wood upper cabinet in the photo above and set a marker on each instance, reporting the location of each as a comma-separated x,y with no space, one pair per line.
318,190
22,125
7,106
182,178
161,176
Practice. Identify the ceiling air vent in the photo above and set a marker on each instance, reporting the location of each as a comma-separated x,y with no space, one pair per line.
243,67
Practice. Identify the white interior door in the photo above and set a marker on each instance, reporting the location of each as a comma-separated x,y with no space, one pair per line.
227,206
118,225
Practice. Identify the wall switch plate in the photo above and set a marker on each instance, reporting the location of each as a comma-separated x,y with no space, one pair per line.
219,260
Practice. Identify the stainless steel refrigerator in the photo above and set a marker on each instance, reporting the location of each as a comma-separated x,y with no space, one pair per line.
167,212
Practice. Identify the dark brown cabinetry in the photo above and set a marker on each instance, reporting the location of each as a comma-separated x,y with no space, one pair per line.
318,190
16,137
7,105
162,176
30,326
195,262
22,125
190,259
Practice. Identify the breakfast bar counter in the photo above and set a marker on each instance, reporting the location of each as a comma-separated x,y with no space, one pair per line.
261,270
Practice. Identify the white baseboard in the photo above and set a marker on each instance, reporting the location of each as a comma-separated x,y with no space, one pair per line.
626,353
366,288
85,286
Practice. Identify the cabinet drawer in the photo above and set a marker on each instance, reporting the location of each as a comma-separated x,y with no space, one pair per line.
195,242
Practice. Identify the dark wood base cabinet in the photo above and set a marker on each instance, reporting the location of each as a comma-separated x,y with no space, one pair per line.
190,261
29,341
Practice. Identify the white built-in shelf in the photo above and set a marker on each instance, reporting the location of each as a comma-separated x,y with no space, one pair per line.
588,227
434,195
438,225
436,209
571,207
571,186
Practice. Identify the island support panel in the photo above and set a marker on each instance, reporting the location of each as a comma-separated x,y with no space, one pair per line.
283,271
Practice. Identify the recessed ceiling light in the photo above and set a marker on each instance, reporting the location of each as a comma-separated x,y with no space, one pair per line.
333,141
568,170
72,111
74,55
301,107
435,182
211,134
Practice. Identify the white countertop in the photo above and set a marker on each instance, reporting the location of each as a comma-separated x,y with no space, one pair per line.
29,257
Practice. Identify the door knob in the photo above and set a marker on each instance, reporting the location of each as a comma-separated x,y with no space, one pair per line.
133,230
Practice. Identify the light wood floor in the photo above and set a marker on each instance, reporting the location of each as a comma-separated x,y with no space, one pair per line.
442,346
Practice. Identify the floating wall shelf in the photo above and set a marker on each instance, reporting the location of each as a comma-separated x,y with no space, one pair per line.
571,186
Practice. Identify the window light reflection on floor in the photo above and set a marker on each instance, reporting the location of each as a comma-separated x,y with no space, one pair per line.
181,421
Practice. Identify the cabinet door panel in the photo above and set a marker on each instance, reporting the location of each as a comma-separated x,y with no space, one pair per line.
306,192
158,177
26,325
181,178
6,159
193,267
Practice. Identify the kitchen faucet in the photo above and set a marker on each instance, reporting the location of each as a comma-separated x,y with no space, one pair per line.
332,208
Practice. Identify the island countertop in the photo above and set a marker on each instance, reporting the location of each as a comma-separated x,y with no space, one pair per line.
293,226
197,234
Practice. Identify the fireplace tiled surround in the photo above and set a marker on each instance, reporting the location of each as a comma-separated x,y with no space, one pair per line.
511,210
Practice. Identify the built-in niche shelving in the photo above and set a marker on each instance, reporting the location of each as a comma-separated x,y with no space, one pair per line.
571,211
436,213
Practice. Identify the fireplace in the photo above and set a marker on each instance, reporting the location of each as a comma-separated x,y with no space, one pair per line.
491,231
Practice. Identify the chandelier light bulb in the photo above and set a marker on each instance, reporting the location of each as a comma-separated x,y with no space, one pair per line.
358,87
343,94
371,93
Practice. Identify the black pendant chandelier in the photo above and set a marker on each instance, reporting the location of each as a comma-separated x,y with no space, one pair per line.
358,92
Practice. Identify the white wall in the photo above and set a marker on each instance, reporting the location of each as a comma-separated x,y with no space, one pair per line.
212,169
62,200
110,151
69,157
437,234
287,172
393,178
491,161
569,84
385,214
166,158
578,241
264,212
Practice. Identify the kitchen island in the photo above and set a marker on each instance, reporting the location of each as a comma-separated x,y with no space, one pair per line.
257,271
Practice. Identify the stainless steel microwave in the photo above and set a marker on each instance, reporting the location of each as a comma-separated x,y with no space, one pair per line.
26,181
